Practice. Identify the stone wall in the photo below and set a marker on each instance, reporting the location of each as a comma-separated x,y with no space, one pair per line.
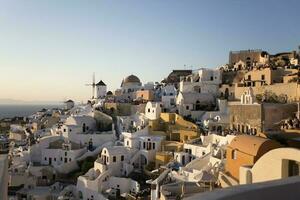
291,90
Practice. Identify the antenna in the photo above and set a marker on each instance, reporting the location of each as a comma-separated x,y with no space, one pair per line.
93,84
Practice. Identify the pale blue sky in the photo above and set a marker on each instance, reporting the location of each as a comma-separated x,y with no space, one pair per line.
49,49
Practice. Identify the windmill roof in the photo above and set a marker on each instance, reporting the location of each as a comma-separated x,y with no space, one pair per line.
100,83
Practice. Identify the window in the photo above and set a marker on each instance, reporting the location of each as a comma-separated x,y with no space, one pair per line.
187,107
263,77
83,127
233,155
70,159
80,195
61,159
148,110
211,78
65,130
172,102
127,143
249,77
66,153
122,157
144,145
45,158
293,168
54,159
185,137
153,145
114,159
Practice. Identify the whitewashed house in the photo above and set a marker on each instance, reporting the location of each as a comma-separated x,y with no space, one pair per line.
132,123
194,104
147,145
168,97
82,129
153,110
60,152
202,81
113,163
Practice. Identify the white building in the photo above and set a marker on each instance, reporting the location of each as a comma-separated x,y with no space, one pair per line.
153,110
129,86
147,145
200,164
82,129
60,152
98,181
194,104
168,97
132,123
202,81
69,104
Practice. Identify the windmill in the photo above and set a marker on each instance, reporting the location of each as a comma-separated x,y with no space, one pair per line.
93,84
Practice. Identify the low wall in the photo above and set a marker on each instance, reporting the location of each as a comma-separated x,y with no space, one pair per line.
287,189
3,176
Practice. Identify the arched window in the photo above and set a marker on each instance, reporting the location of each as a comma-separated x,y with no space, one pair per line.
80,195
226,93
198,105
83,127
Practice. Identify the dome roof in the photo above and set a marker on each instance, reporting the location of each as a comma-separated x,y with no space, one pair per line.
109,93
252,145
132,79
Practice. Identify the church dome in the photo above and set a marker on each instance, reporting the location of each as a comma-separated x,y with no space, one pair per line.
132,79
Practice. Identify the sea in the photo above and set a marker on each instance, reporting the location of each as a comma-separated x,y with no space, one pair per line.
22,110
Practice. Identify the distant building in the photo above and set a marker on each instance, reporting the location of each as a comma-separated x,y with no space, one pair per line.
247,59
194,104
131,84
203,80
144,95
174,77
101,89
69,104
61,152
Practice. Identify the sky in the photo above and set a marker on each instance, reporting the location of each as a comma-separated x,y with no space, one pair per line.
49,49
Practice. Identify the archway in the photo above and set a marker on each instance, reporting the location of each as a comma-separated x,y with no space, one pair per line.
198,105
